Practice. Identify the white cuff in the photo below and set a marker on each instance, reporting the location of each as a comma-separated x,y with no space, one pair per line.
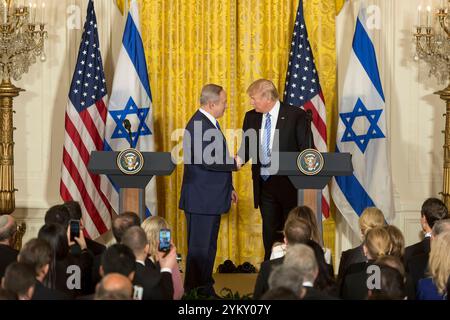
166,270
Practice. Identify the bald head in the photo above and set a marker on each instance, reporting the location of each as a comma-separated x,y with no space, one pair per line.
7,229
114,286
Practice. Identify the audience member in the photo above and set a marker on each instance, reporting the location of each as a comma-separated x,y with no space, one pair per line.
118,258
288,278
296,231
433,287
391,285
152,226
38,254
114,286
397,242
417,265
20,280
370,218
8,254
432,211
58,275
306,213
156,285
303,258
75,214
123,222
377,243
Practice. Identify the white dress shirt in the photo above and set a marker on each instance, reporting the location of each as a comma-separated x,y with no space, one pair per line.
209,116
273,123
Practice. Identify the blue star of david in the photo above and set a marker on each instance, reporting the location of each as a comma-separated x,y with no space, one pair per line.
374,131
119,115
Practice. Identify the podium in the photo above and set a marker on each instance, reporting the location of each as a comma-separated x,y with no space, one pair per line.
334,164
131,187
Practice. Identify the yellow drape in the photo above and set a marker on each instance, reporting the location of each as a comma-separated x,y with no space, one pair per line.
189,43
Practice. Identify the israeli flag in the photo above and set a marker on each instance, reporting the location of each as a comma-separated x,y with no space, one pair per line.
130,99
362,132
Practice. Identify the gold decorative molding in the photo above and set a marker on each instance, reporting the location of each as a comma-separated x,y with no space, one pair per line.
445,95
7,199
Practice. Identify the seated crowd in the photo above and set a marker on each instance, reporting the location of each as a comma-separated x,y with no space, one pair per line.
57,266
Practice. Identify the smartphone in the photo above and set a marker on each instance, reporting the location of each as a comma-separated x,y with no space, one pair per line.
74,229
164,240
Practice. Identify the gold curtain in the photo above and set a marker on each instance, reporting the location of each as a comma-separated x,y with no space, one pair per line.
189,43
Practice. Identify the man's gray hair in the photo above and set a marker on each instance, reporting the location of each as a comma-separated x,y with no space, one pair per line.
210,93
441,226
7,229
302,258
289,277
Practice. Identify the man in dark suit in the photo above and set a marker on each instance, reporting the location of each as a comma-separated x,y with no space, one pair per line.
432,210
157,284
296,231
270,128
7,253
207,190
38,254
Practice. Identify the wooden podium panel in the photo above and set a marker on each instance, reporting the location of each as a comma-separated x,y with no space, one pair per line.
132,199
313,199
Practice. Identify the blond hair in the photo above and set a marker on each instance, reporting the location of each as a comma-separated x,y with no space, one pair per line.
370,218
439,262
265,87
152,225
378,242
397,240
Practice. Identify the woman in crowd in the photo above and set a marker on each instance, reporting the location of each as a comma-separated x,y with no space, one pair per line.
152,226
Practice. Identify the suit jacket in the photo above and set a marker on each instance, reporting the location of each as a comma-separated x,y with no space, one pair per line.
206,187
262,281
7,256
41,292
349,257
294,136
157,285
354,286
416,249
416,267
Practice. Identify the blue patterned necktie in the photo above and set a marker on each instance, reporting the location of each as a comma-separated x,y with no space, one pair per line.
266,149
217,125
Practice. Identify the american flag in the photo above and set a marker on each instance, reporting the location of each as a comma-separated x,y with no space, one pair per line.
303,90
84,132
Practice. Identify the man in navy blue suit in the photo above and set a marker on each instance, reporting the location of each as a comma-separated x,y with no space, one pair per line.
207,190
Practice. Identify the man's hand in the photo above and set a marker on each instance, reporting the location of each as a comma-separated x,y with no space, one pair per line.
234,197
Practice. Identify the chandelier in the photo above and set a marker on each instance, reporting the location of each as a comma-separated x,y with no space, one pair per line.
432,39
22,37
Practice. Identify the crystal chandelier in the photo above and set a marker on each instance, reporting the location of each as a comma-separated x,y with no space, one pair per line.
433,46
21,41
432,40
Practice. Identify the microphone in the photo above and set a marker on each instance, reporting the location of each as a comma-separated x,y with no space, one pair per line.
127,125
309,118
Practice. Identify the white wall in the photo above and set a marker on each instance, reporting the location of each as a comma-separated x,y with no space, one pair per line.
40,110
414,113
